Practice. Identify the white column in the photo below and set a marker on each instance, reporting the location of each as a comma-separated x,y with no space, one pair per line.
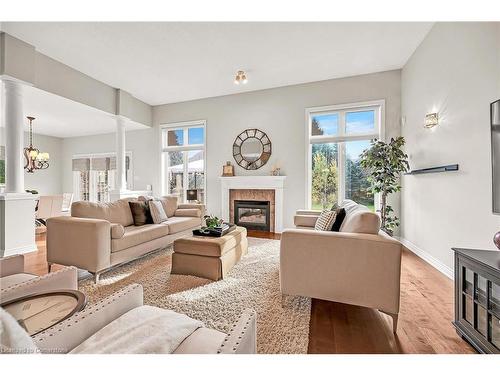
17,208
121,181
13,122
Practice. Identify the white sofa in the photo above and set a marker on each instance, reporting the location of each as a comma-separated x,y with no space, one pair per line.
358,265
98,236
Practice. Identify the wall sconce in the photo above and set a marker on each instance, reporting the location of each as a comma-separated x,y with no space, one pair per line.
431,120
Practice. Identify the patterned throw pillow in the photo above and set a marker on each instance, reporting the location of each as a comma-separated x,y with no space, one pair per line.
325,220
157,212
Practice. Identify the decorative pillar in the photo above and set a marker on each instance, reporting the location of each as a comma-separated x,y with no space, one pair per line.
121,181
17,208
13,122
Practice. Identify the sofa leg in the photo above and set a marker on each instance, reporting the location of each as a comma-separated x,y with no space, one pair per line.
283,300
96,277
394,320
49,267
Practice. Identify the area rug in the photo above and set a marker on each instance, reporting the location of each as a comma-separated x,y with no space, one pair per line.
252,283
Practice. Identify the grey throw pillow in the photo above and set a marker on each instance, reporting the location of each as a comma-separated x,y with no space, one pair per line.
158,214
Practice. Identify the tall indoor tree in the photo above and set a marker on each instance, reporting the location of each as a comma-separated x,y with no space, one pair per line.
384,163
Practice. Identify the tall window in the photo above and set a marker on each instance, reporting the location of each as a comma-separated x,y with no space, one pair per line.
2,165
94,176
183,159
337,135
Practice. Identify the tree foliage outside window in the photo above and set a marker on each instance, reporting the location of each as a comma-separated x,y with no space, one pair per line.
2,165
324,176
2,171
358,187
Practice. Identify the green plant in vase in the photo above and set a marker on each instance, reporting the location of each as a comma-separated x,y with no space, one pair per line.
384,163
211,222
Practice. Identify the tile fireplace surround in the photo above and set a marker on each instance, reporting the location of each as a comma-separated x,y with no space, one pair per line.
254,188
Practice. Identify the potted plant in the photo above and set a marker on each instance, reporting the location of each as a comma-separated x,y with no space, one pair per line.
211,222
384,163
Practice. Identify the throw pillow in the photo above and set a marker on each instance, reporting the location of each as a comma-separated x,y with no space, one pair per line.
117,231
169,204
158,214
325,220
339,219
140,212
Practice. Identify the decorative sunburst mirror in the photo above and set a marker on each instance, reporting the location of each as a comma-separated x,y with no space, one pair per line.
252,149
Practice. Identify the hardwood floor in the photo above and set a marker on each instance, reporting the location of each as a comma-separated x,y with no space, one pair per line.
424,320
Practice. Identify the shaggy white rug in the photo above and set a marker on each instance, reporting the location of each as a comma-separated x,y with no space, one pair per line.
252,283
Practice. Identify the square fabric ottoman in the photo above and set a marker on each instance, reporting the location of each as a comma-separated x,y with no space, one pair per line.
209,257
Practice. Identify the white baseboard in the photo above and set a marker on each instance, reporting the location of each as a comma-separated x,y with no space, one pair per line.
18,250
436,263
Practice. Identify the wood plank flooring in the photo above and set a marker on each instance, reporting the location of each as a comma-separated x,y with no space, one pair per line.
424,321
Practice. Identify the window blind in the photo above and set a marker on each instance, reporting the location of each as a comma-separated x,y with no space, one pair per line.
81,165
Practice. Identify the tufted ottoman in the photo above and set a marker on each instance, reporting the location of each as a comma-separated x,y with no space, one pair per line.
209,257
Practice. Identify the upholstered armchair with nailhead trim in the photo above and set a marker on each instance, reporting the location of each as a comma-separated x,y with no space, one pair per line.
15,283
67,335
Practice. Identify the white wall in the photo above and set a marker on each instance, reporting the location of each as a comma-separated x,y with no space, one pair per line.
47,181
279,112
456,72
142,144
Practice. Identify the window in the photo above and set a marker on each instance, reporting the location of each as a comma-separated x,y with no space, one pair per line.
183,159
336,137
94,176
2,165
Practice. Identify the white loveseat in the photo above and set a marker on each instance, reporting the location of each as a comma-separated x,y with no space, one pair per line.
358,265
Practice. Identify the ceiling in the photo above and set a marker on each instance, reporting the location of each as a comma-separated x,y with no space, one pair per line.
160,62
60,117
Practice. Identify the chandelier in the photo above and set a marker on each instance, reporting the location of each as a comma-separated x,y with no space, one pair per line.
241,77
34,158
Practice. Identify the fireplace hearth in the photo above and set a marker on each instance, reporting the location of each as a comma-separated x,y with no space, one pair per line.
253,215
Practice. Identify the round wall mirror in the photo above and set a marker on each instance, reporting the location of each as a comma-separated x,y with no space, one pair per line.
252,149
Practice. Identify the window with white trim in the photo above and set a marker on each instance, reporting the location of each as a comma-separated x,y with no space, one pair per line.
336,137
94,176
183,160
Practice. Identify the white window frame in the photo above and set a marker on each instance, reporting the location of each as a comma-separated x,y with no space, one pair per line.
184,125
341,109
93,193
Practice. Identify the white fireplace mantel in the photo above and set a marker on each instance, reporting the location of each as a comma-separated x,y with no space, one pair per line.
275,183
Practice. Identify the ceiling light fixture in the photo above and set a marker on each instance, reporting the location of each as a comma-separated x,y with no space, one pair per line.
241,77
34,158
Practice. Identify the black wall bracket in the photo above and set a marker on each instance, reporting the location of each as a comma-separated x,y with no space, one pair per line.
444,168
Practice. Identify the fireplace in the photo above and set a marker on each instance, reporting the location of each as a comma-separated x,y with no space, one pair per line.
254,215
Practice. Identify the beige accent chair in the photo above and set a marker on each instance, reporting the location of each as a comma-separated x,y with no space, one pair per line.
358,265
15,283
98,236
67,335
66,203
49,206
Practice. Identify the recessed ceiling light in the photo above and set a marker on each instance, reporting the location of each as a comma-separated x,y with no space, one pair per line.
241,77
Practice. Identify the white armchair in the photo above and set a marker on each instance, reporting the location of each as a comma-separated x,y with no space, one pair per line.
15,283
358,265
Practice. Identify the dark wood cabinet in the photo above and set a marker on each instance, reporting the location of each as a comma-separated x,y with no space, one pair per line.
477,298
